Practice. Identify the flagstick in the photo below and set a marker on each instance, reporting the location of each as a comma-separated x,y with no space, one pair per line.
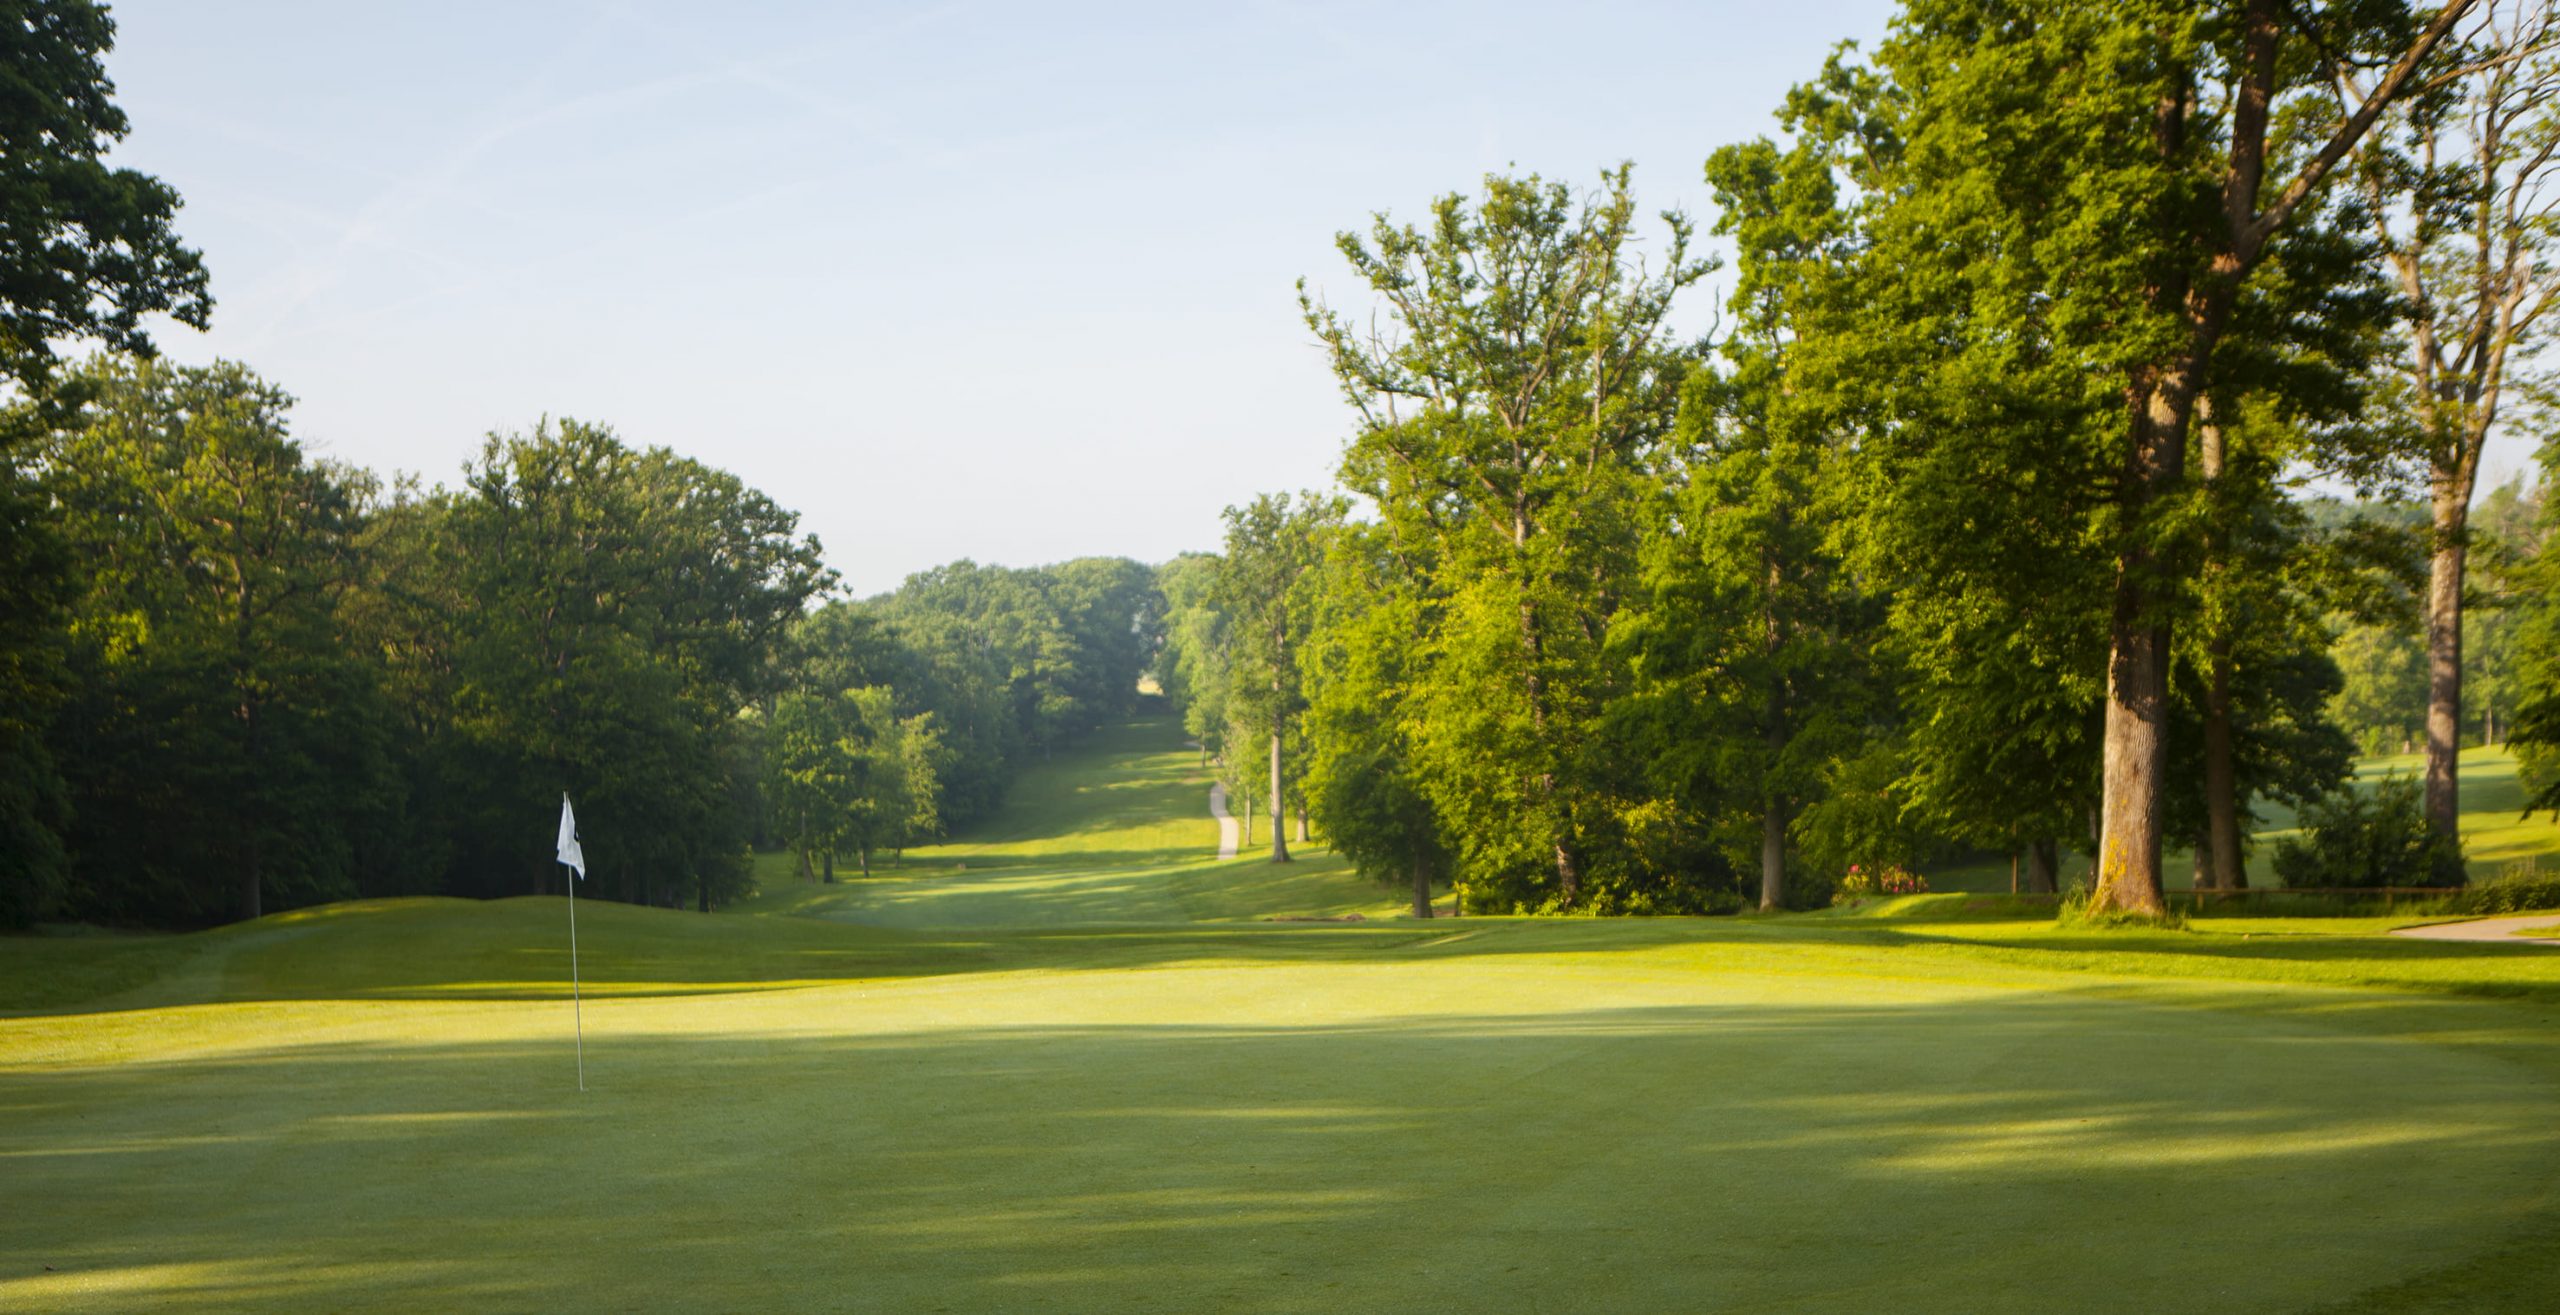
577,1007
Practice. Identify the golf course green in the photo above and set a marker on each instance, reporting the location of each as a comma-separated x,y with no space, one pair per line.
1073,1062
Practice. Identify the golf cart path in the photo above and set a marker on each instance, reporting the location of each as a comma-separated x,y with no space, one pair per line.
2502,930
1226,821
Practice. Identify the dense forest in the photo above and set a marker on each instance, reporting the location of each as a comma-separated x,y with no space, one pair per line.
2086,452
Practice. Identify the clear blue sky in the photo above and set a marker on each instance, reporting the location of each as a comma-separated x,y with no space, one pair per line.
1012,282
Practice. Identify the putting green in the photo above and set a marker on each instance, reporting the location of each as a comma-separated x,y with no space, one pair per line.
372,1106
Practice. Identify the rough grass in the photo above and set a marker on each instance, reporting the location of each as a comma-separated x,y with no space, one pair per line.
904,1100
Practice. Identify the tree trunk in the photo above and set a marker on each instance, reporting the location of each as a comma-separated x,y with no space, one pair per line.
1773,857
1421,889
831,867
1246,819
1302,821
2218,849
2221,841
864,851
2444,662
1279,806
253,877
2044,858
2137,761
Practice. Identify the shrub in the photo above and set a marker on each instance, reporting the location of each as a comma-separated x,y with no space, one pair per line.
2522,887
1887,879
2377,839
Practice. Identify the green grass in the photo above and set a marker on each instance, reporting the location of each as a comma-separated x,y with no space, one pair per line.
1083,1073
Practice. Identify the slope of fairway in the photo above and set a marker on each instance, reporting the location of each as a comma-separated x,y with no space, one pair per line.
988,1081
1114,830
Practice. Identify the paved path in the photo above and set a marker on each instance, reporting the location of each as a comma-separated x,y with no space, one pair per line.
1227,832
2502,930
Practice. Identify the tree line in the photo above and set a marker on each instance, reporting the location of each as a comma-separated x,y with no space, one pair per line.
272,681
1989,517
2086,450
236,678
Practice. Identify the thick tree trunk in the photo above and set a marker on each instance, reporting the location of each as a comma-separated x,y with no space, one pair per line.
1279,806
1773,857
2044,861
1302,822
2136,750
1421,889
865,853
2137,761
2444,663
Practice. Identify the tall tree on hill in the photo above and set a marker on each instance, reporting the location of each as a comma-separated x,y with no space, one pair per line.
86,252
221,719
2106,215
2472,251
1981,463
1192,668
1507,420
614,612
1273,548
1361,781
1755,642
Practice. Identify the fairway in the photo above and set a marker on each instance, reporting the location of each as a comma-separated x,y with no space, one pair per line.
1066,1064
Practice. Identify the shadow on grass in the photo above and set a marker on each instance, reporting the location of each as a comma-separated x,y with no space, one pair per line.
2018,1154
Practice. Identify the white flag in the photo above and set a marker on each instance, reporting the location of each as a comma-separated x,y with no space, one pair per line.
569,851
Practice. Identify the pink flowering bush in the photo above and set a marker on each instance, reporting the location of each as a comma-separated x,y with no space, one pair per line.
1886,879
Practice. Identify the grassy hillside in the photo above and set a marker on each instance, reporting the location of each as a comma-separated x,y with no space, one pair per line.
1118,831
1002,1088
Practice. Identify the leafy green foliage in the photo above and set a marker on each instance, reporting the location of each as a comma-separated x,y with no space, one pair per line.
585,617
1362,784
222,748
86,251
1504,427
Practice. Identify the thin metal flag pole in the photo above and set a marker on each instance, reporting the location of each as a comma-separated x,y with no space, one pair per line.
577,1006
573,857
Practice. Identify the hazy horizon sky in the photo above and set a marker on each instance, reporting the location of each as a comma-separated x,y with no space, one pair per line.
1006,282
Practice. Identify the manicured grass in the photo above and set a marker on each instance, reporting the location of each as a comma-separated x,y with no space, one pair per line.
1134,1095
